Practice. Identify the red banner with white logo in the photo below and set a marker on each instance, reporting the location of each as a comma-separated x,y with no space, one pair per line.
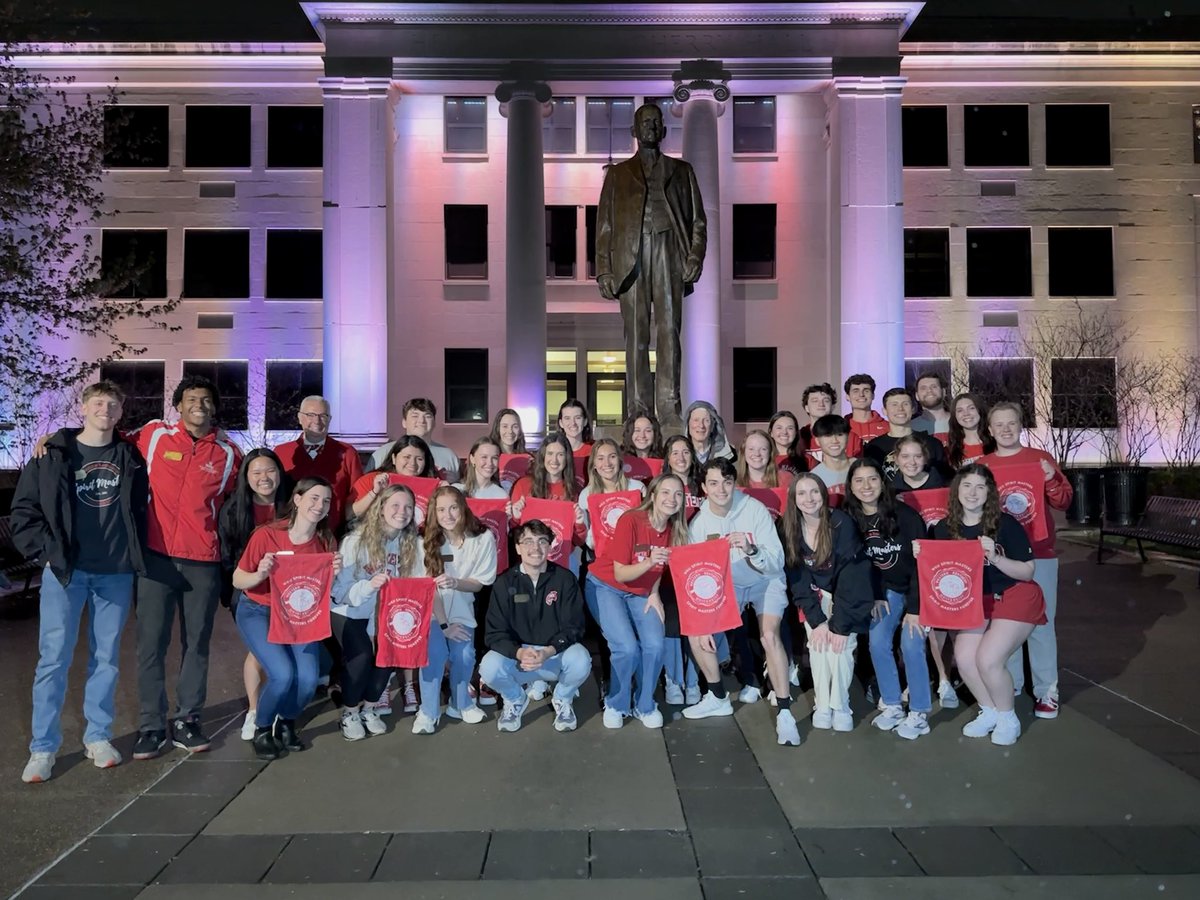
560,516
704,588
951,579
422,489
931,503
300,585
402,623
1022,488
514,466
492,514
772,498
643,468
605,509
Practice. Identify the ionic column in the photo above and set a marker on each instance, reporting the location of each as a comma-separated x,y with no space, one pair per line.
867,150
523,104
355,256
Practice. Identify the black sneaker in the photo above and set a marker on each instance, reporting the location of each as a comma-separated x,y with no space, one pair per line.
150,744
186,735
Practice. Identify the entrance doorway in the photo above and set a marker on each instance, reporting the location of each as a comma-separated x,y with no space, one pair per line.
604,382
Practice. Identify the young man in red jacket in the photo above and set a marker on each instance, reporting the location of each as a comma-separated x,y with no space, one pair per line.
314,452
865,423
191,469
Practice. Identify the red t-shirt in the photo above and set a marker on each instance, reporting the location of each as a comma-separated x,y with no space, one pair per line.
1058,489
264,513
585,450
782,475
631,543
971,452
270,539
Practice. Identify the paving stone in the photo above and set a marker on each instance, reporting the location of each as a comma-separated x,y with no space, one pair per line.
116,859
1008,887
224,780
1163,849
800,888
224,859
853,852
1050,850
739,851
642,854
696,764
329,858
960,850
431,856
166,814
536,855
79,892
706,808
556,889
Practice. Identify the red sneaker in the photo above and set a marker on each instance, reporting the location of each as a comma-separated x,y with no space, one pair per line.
485,696
1046,707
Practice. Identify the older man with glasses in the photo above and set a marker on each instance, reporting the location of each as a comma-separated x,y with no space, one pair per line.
315,453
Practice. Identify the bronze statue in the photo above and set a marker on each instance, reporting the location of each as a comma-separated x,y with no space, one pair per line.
651,235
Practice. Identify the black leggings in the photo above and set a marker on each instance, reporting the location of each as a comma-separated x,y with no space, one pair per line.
361,678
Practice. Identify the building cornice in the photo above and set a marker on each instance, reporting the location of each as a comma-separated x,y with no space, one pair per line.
175,54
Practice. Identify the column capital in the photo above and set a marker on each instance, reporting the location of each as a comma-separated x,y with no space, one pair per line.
701,79
523,87
345,86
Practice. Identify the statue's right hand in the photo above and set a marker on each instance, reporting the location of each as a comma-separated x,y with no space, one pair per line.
608,287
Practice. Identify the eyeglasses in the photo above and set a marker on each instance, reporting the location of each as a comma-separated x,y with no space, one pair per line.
322,416
531,543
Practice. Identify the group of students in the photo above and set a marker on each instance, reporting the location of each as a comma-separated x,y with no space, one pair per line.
176,511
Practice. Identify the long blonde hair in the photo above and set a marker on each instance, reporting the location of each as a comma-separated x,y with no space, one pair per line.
595,482
374,535
678,520
793,526
470,483
770,474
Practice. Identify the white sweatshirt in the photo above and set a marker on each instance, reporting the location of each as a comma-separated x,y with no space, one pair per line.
748,515
487,492
353,596
476,558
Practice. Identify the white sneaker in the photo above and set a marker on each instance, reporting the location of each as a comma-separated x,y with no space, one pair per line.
537,690
1007,730
889,718
691,695
38,768
422,724
708,706
248,726
786,731
652,719
511,714
372,722
794,674
823,719
564,715
612,718
947,696
352,725
915,725
842,720
102,754
472,714
750,694
982,725
771,698
674,694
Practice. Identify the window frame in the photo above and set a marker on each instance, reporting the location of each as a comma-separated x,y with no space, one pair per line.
446,243
1103,399
946,136
318,257
734,261
218,166
1050,263
166,139
187,232
460,365
272,409
613,149
130,293
448,126
128,422
991,397
1078,165
740,413
267,151
977,295
949,289
968,141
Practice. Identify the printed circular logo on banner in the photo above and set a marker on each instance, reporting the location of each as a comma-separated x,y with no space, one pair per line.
404,622
301,598
931,514
611,511
951,583
557,528
1017,500
705,585
419,512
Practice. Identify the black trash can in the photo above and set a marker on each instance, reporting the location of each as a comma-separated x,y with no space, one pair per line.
1125,492
1088,495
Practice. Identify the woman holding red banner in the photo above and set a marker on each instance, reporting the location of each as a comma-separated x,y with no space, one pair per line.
460,554
507,433
912,466
483,472
606,475
888,529
830,580
968,437
384,544
410,456
1005,424
552,477
624,586
1012,601
784,429
756,465
291,668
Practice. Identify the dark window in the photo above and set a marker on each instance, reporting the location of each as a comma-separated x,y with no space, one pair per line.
754,125
217,137
558,129
673,141
1077,134
589,224
1003,379
925,140
996,135
753,384
216,263
1081,262
466,124
133,263
560,241
753,240
295,137
136,137
466,385
1083,393
143,383
466,241
289,382
609,120
998,263
915,368
231,380
294,265
926,262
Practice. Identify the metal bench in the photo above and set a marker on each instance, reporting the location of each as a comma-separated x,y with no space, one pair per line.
1167,520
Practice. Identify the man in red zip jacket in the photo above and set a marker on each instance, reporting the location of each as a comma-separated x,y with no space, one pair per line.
191,468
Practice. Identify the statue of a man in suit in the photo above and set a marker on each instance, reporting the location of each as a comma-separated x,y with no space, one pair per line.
651,235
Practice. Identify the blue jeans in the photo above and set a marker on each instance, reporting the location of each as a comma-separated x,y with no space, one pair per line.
883,658
108,599
635,640
461,655
291,668
676,666
504,675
